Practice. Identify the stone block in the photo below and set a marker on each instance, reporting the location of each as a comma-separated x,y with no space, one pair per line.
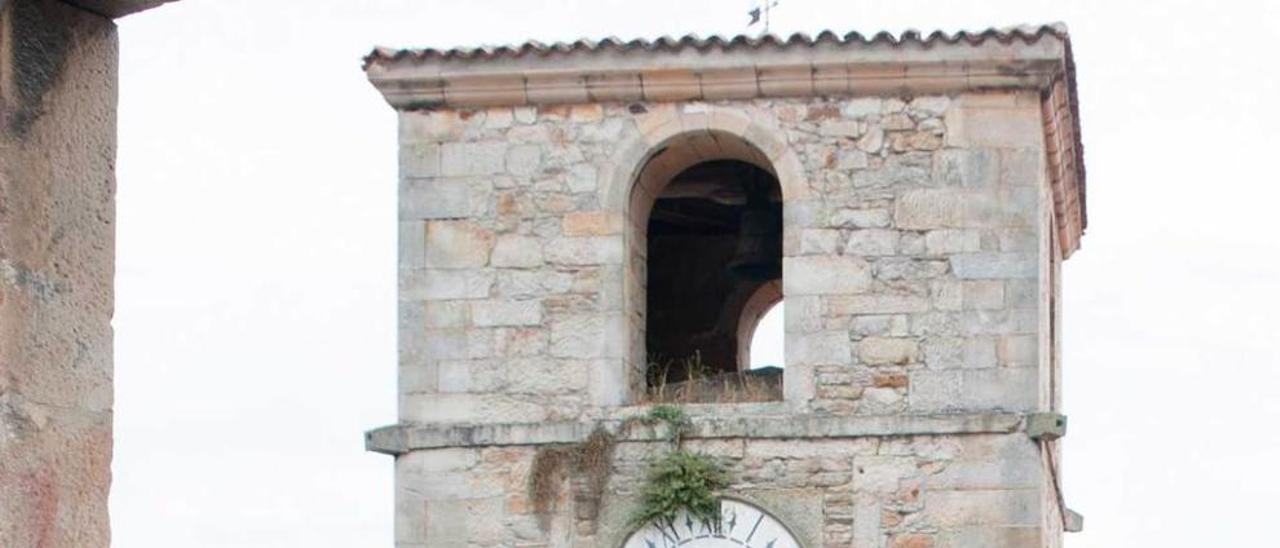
881,474
825,275
444,198
415,374
994,265
457,244
966,167
467,158
419,160
972,126
1022,168
930,105
1005,389
412,244
446,313
1000,322
581,178
515,342
933,391
983,294
861,107
429,126
587,250
1018,351
591,223
544,376
533,283
971,390
821,348
456,343
517,251
993,537
874,304
872,242
949,241
587,336
803,314
819,241
872,141
928,208
524,160
888,351
948,509
847,159
894,325
506,312
861,218
444,284
454,376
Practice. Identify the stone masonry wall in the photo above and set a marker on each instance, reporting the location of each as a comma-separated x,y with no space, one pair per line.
895,492
911,273
57,213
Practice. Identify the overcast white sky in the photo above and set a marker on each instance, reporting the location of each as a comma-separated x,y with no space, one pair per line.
255,334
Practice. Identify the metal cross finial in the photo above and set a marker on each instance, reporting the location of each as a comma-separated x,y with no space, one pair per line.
761,8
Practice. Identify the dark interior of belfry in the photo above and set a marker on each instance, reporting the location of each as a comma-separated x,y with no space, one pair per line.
714,242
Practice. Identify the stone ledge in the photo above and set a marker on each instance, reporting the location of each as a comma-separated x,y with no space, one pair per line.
398,439
593,81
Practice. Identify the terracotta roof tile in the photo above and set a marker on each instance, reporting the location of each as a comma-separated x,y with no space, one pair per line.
1025,33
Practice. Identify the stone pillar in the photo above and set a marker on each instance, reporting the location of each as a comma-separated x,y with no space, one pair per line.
57,231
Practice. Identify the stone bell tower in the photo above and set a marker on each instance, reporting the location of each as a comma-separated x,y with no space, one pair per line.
589,228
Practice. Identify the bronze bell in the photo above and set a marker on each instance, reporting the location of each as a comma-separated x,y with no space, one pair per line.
759,251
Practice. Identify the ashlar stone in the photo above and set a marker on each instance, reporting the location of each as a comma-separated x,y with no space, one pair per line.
457,244
506,312
872,242
524,160
825,275
472,158
888,351
517,251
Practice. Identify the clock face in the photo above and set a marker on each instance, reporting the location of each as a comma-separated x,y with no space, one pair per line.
741,526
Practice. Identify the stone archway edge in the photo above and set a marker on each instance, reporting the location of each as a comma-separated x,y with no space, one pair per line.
401,438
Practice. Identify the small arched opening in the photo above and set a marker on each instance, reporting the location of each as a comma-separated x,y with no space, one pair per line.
706,224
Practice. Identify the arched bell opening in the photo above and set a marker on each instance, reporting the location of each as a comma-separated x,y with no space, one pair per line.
711,246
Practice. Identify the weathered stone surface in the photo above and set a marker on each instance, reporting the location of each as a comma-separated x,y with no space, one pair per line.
445,198
861,107
472,158
419,160
591,223
445,284
524,159
589,250
517,251
58,73
871,242
994,265
861,218
910,278
457,244
928,209
888,351
825,275
506,312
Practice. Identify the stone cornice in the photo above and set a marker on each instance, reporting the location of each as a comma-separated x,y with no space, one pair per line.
823,69
398,439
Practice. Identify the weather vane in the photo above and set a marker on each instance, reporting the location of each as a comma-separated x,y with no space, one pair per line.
759,9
